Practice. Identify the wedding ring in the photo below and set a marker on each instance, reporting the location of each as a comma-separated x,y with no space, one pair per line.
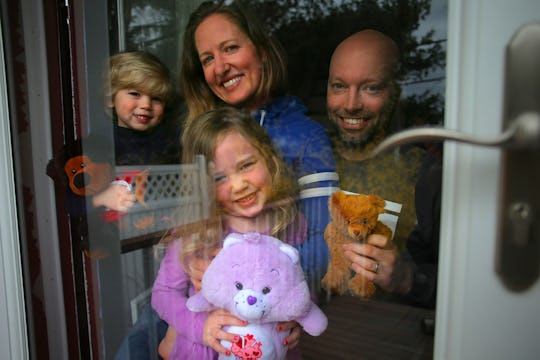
377,267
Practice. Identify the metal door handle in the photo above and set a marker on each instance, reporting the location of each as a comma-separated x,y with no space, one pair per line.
524,132
518,246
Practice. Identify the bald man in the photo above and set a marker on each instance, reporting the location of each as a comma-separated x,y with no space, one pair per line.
362,99
362,90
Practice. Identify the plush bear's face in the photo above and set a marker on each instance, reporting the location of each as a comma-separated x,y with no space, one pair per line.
86,177
357,214
257,278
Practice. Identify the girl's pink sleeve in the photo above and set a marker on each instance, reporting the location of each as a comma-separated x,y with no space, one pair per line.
170,293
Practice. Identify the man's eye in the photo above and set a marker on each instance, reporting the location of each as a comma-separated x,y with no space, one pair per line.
373,89
338,86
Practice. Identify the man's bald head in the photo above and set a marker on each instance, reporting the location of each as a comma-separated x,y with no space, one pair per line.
369,44
362,88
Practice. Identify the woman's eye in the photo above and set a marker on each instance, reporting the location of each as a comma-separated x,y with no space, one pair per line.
231,48
206,60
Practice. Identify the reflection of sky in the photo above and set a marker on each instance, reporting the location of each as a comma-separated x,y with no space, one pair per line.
436,20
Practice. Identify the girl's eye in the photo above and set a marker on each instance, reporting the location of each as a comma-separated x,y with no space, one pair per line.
134,93
239,285
266,290
157,99
219,178
248,165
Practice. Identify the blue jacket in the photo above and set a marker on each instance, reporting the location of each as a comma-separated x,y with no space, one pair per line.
305,146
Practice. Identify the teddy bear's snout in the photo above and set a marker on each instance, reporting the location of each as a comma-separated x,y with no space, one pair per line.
81,179
357,234
251,300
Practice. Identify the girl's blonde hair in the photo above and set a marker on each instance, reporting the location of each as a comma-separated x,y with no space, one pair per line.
137,70
200,138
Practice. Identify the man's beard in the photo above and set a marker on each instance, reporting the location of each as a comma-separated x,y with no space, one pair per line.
370,135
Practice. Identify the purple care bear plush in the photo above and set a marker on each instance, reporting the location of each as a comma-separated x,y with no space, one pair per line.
259,279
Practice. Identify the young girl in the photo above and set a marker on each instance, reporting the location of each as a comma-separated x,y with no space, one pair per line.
253,193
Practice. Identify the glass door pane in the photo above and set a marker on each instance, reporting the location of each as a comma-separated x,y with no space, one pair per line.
122,257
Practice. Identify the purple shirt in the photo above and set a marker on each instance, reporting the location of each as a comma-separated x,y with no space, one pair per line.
172,288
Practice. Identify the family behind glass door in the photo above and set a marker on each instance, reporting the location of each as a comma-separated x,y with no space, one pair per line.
258,142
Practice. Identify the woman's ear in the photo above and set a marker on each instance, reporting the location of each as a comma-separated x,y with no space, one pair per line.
264,57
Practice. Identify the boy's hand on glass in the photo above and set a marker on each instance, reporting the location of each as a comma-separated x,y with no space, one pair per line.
295,332
115,197
213,333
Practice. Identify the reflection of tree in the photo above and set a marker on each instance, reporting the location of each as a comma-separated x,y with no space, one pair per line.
149,26
310,29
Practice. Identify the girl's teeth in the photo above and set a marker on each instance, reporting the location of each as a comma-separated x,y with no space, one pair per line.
247,198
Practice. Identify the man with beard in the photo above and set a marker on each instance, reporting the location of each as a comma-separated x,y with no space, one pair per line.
362,98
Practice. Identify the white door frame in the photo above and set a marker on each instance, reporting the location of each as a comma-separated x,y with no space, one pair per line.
13,331
477,316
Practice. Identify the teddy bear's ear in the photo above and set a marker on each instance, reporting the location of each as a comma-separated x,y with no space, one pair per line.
336,198
55,166
291,252
378,202
231,240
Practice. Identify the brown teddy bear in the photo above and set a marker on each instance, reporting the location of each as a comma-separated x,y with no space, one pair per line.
354,217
